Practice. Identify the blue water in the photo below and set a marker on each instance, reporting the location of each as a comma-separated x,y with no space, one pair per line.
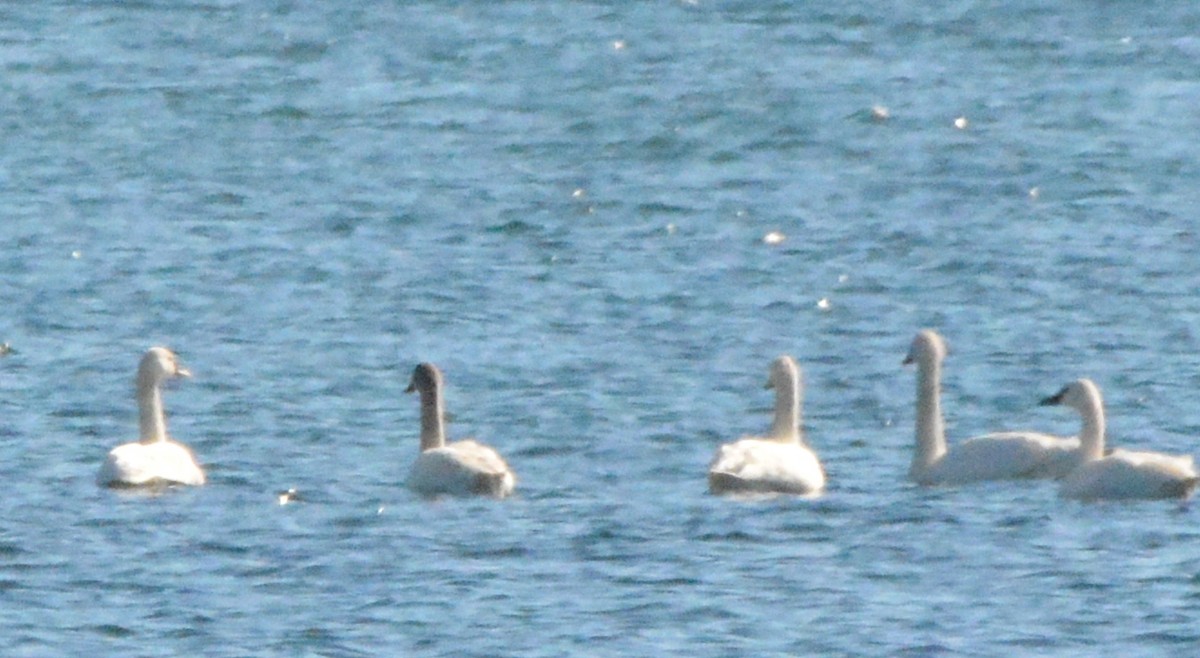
563,204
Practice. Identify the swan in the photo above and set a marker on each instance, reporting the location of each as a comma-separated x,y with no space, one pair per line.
459,468
1122,474
154,459
780,462
999,456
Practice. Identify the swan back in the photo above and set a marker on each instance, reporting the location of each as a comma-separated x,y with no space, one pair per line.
462,468
149,464
1130,475
758,466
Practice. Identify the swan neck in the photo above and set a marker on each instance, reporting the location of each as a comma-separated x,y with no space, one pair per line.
1091,436
433,423
152,421
931,429
786,426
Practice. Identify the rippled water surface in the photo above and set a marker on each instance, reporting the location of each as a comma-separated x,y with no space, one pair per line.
564,205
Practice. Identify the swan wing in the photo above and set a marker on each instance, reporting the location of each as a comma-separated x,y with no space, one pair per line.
462,468
1126,475
125,465
1062,457
1000,456
755,465
141,464
175,463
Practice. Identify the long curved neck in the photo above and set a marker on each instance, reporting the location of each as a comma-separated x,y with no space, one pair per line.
786,426
931,429
152,422
433,424
1091,436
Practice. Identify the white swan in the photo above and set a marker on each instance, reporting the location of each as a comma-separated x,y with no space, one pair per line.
999,456
154,459
459,468
1122,474
780,462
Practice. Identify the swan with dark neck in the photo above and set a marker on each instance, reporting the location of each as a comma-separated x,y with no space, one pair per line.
1122,474
457,468
427,383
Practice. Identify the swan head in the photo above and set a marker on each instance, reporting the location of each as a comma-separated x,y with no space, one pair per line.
158,365
783,371
425,378
927,347
1081,394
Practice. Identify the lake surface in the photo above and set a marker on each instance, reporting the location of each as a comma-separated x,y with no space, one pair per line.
564,205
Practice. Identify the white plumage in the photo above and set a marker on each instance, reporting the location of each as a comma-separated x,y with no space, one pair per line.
999,456
154,459
1122,474
780,462
459,468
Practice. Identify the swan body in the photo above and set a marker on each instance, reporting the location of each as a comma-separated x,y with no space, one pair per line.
764,466
1121,474
999,456
778,463
154,459
460,468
